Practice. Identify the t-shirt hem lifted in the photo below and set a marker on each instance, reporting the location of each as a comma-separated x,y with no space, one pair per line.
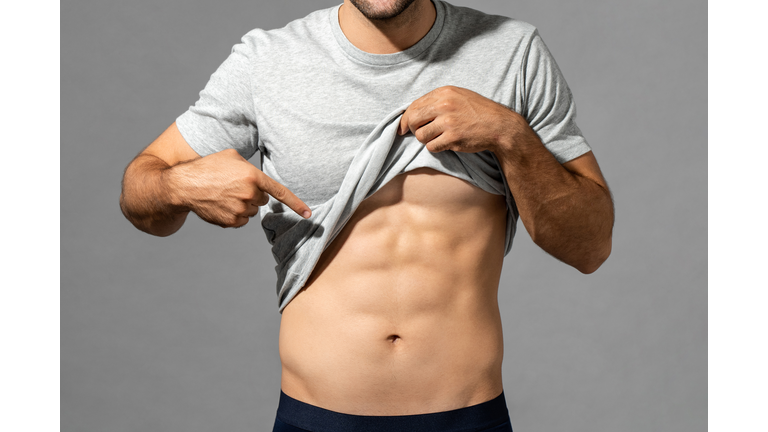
323,116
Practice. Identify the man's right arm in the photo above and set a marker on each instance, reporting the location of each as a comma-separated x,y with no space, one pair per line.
169,179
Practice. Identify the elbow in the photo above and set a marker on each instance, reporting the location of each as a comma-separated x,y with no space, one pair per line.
581,248
157,232
590,267
594,260
148,224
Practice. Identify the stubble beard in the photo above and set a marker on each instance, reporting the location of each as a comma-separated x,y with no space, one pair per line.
367,8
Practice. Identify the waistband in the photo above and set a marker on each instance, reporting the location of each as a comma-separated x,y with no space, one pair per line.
473,418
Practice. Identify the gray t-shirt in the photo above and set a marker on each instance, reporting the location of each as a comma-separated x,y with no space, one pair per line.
323,116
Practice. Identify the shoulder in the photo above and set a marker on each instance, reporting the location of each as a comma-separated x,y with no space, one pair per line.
482,37
468,20
300,34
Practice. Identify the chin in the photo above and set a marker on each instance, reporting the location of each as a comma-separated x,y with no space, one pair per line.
381,9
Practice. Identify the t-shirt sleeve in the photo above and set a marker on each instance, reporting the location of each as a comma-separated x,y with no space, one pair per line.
548,104
224,116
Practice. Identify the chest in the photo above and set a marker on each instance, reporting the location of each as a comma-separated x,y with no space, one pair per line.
312,123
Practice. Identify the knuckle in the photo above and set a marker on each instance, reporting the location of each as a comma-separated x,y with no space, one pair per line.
420,135
241,208
246,194
252,175
262,199
446,90
227,222
279,193
253,182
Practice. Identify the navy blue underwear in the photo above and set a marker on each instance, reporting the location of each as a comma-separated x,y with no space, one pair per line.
296,416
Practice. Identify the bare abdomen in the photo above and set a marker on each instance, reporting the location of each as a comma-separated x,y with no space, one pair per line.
400,315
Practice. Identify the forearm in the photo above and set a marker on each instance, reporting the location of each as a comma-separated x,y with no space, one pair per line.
567,208
146,199
568,215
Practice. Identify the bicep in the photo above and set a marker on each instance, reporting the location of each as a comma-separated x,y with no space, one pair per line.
171,147
586,166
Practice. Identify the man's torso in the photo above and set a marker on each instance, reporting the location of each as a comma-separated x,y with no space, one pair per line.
400,314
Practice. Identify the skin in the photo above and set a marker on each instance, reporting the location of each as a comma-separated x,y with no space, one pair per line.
400,314
381,11
567,209
386,36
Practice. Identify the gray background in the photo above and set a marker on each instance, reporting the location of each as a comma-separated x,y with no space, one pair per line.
180,333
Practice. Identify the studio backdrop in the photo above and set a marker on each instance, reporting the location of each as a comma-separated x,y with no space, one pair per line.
180,333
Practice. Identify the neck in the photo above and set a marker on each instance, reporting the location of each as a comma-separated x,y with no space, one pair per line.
387,36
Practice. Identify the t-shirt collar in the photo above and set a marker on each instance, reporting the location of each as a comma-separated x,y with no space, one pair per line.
387,59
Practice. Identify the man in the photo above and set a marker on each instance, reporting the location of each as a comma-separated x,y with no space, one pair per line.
389,230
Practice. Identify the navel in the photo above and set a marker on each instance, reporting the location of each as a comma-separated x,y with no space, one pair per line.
393,338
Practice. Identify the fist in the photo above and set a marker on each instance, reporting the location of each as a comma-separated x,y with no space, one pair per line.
226,190
454,118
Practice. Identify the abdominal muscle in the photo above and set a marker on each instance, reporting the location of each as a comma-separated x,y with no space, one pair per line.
400,315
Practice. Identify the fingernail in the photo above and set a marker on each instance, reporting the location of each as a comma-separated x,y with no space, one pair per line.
306,214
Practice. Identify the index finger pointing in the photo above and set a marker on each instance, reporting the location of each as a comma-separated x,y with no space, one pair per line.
285,196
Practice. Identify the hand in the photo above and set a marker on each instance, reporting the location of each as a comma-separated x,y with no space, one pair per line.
226,190
454,118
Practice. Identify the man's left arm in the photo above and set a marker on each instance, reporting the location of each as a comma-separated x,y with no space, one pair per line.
566,208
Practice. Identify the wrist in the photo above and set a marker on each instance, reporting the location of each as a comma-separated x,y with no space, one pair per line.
515,137
173,180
